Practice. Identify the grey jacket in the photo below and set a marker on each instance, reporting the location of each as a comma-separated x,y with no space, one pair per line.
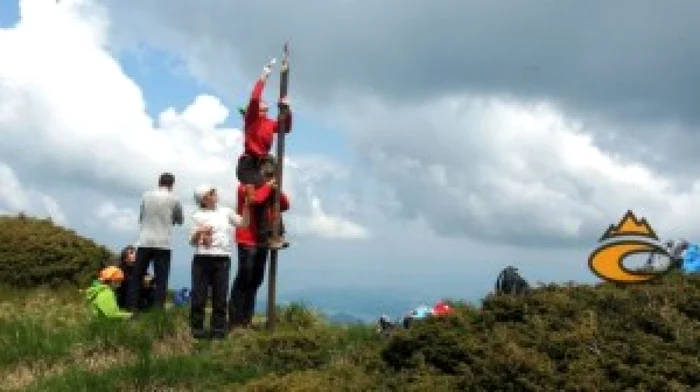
160,211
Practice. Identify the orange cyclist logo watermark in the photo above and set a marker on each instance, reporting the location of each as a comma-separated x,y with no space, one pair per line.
630,236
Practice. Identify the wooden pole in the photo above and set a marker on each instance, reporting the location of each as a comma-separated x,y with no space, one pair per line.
281,131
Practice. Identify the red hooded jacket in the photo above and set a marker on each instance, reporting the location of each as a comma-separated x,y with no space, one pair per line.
258,128
246,235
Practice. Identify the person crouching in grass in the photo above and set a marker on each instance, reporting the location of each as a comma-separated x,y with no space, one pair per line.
127,258
102,298
212,237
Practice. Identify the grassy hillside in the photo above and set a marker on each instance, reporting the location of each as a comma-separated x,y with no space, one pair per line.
559,338
563,338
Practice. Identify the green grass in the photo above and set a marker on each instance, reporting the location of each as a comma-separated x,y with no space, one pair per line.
26,340
154,350
183,372
558,338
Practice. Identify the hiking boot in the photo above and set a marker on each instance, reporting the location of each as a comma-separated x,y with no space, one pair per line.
277,243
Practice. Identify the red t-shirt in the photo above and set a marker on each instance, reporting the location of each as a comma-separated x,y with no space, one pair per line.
441,309
246,235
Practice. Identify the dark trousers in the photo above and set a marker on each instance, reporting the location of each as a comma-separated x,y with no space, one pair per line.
249,277
161,272
248,170
123,290
209,272
148,297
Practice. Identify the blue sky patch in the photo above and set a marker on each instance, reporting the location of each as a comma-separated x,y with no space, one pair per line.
9,13
165,82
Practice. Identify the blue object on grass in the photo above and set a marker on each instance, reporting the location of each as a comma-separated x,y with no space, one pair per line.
182,297
421,312
691,259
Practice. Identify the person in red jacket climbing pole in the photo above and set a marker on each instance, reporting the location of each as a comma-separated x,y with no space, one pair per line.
253,248
259,131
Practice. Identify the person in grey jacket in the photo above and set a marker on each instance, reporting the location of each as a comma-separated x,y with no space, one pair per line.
160,212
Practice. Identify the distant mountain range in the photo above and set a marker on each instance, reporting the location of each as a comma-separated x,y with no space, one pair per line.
353,305
344,318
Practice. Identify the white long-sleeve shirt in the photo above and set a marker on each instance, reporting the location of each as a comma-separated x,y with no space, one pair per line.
222,221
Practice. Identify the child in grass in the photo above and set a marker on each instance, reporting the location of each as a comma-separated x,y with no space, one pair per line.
101,295
146,291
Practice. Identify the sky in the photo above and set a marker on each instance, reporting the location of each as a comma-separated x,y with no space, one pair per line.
434,143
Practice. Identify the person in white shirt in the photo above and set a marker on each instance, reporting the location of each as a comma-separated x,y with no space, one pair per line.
212,237
160,211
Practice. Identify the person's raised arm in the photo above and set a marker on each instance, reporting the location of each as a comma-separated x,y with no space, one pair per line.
251,112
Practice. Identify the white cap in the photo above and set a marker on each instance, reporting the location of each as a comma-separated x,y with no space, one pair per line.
201,191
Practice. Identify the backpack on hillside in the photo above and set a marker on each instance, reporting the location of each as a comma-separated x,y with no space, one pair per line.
181,297
385,326
509,281
691,259
678,251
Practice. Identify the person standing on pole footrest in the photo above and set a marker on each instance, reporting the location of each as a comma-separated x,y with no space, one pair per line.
253,249
264,209
259,131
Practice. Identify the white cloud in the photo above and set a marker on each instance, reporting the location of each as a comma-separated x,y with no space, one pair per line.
117,219
503,170
316,177
15,198
489,168
65,98
54,209
321,224
11,192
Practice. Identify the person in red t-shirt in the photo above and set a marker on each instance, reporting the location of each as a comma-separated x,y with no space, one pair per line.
442,308
259,131
253,247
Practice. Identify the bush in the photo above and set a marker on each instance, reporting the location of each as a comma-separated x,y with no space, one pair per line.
291,350
563,338
36,252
